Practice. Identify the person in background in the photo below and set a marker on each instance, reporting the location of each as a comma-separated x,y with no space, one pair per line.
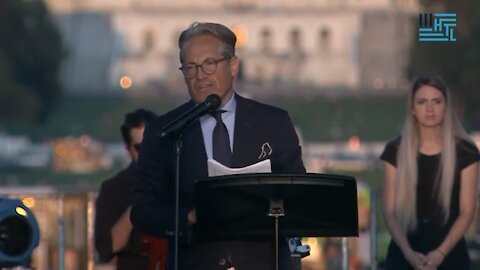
116,241
431,179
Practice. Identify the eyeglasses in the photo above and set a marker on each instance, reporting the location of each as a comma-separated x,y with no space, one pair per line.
209,67
137,147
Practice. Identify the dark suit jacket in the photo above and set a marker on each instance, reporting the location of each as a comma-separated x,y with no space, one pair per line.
153,197
113,199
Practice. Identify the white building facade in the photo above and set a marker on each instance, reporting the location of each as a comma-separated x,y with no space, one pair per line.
309,43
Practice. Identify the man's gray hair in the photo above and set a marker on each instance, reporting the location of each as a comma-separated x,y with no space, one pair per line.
221,32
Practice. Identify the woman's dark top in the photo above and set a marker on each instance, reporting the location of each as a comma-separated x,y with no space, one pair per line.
431,230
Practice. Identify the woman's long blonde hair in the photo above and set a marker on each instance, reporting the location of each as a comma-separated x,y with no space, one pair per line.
406,177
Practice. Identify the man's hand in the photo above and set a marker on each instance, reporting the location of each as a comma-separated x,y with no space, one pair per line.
192,217
121,231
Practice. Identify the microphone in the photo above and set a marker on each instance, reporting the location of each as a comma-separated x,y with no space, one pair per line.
211,103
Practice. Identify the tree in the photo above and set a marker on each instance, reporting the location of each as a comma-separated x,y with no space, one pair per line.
30,57
457,62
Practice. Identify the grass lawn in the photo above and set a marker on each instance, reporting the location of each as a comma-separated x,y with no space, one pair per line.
319,118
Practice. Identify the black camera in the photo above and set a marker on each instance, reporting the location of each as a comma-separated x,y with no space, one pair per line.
19,233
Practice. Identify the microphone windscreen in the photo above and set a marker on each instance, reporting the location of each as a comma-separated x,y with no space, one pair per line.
213,101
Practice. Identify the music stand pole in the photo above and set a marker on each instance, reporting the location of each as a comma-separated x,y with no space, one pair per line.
178,148
276,211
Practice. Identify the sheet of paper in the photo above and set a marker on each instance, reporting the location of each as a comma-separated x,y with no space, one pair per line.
216,168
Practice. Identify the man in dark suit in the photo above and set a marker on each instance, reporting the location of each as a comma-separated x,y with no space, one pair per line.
242,132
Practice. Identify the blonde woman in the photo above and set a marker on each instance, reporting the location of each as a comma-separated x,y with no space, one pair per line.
431,175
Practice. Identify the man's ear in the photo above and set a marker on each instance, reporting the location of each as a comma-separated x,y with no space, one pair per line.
234,66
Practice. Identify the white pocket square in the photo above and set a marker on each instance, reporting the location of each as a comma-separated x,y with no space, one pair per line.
266,150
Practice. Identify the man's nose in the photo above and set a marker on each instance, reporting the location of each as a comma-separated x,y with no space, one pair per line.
200,73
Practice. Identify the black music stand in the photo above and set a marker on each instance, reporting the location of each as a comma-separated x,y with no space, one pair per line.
243,206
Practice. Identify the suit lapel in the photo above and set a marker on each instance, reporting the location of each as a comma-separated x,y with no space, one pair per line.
194,153
243,144
194,157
